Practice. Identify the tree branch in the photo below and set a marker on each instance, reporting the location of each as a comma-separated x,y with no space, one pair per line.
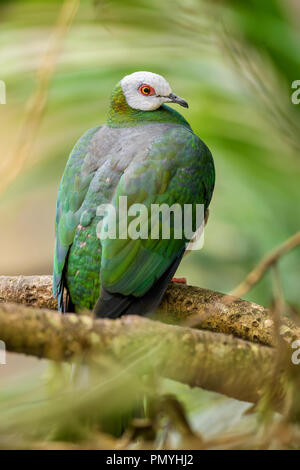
217,362
182,304
257,273
28,290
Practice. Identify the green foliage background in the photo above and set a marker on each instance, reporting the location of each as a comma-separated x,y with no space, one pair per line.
233,62
207,50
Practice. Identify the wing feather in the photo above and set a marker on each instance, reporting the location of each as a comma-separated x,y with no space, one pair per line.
178,170
72,191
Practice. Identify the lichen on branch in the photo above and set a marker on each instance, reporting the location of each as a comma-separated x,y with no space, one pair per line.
218,362
182,304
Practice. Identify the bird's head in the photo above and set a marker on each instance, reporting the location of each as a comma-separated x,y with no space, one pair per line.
147,91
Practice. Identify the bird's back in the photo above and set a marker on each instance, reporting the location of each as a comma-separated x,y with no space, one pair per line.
99,165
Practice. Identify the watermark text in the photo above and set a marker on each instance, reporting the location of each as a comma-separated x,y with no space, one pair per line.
157,222
296,354
296,95
2,92
2,353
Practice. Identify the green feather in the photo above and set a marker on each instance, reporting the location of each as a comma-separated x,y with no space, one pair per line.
71,194
132,266
178,168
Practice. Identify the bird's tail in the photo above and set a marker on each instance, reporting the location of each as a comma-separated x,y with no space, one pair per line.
113,305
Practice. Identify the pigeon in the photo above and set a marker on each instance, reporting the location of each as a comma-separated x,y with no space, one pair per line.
147,155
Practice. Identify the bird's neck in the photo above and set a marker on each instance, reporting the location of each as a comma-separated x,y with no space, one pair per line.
122,115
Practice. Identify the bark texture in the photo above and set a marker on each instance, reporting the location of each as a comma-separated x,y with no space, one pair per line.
217,362
28,290
182,304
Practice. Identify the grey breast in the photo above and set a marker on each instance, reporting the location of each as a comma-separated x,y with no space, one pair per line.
112,150
121,146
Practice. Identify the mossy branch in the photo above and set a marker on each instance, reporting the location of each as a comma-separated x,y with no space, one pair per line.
182,304
217,362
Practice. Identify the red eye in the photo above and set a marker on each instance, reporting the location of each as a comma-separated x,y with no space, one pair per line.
146,90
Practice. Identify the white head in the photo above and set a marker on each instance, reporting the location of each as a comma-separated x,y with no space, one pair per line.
147,91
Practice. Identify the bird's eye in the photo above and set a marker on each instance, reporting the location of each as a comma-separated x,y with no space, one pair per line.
146,90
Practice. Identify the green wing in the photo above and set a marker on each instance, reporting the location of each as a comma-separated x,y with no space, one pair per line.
178,169
71,194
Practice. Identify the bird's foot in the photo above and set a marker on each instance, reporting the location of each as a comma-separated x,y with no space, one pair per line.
179,280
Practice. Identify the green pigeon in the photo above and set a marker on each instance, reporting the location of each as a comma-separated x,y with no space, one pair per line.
145,152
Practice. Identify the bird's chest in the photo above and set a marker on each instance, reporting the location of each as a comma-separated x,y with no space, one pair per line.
119,147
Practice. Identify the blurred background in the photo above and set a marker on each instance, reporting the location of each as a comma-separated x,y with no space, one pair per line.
234,62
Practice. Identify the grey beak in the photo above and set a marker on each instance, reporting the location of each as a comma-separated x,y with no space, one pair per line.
176,99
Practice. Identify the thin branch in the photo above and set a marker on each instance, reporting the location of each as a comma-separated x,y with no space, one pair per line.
257,273
217,362
182,304
37,101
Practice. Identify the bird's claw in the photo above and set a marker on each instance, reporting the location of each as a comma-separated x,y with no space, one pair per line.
179,280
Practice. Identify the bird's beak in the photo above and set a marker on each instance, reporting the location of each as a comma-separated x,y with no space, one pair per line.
176,99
